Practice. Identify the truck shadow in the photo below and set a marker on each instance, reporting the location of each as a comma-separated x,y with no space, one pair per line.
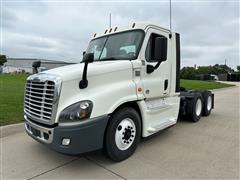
98,156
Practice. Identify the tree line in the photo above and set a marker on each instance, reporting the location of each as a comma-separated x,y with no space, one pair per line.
3,59
191,72
186,72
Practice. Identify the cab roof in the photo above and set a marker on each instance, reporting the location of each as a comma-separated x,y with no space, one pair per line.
116,29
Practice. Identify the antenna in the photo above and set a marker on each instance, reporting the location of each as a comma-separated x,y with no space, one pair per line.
110,21
170,17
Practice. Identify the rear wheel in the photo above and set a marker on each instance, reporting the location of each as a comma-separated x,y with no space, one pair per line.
208,103
123,134
197,108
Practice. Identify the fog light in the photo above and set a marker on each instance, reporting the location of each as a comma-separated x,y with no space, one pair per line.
66,141
46,136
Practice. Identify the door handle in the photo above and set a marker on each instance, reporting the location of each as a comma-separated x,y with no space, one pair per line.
165,84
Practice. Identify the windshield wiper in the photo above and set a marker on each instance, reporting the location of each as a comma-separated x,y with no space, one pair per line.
108,59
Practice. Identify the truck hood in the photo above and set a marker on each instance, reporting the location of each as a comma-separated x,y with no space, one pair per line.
75,71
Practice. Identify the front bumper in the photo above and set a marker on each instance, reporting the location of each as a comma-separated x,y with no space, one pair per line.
86,136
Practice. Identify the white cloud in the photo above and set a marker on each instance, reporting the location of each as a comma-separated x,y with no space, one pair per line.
209,30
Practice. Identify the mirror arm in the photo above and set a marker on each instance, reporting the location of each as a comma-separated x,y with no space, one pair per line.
157,65
84,82
151,68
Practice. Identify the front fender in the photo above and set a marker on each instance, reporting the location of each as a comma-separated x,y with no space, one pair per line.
106,91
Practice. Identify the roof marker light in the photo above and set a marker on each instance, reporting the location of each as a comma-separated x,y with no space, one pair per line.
110,30
95,35
115,29
133,25
105,31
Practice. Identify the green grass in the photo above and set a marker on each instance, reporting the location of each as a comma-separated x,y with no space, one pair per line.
202,85
11,98
12,92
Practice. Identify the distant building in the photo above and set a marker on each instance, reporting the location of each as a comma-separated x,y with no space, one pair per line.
229,77
223,77
25,64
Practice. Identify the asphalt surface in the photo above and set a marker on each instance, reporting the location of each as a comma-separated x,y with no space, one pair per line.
208,149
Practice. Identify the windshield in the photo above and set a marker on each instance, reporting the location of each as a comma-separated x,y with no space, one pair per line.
124,45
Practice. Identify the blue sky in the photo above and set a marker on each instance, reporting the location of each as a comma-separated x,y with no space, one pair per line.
61,30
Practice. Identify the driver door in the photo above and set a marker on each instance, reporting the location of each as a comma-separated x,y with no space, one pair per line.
156,84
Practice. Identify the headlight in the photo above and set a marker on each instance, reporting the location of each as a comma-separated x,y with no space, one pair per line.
78,111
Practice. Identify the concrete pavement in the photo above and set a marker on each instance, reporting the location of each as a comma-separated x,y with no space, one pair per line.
11,129
207,149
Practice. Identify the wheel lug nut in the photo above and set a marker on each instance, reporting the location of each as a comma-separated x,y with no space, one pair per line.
119,128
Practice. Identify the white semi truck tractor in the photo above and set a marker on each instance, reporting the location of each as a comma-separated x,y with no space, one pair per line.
127,87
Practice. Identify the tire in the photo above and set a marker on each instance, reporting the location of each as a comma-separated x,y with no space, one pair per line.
208,103
123,134
196,107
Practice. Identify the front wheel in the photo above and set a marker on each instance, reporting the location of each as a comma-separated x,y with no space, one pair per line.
123,134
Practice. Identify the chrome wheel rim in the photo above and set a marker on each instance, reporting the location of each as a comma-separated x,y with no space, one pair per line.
209,103
198,107
125,134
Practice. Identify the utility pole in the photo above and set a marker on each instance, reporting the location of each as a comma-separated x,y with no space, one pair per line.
170,15
110,21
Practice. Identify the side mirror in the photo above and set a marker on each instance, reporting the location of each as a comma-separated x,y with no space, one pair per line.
83,53
160,53
160,49
88,57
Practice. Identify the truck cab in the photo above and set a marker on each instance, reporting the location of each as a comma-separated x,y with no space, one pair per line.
126,88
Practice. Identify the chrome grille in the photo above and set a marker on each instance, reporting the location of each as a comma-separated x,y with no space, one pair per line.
39,99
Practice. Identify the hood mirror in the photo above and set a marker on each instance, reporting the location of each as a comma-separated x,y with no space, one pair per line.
87,58
35,66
